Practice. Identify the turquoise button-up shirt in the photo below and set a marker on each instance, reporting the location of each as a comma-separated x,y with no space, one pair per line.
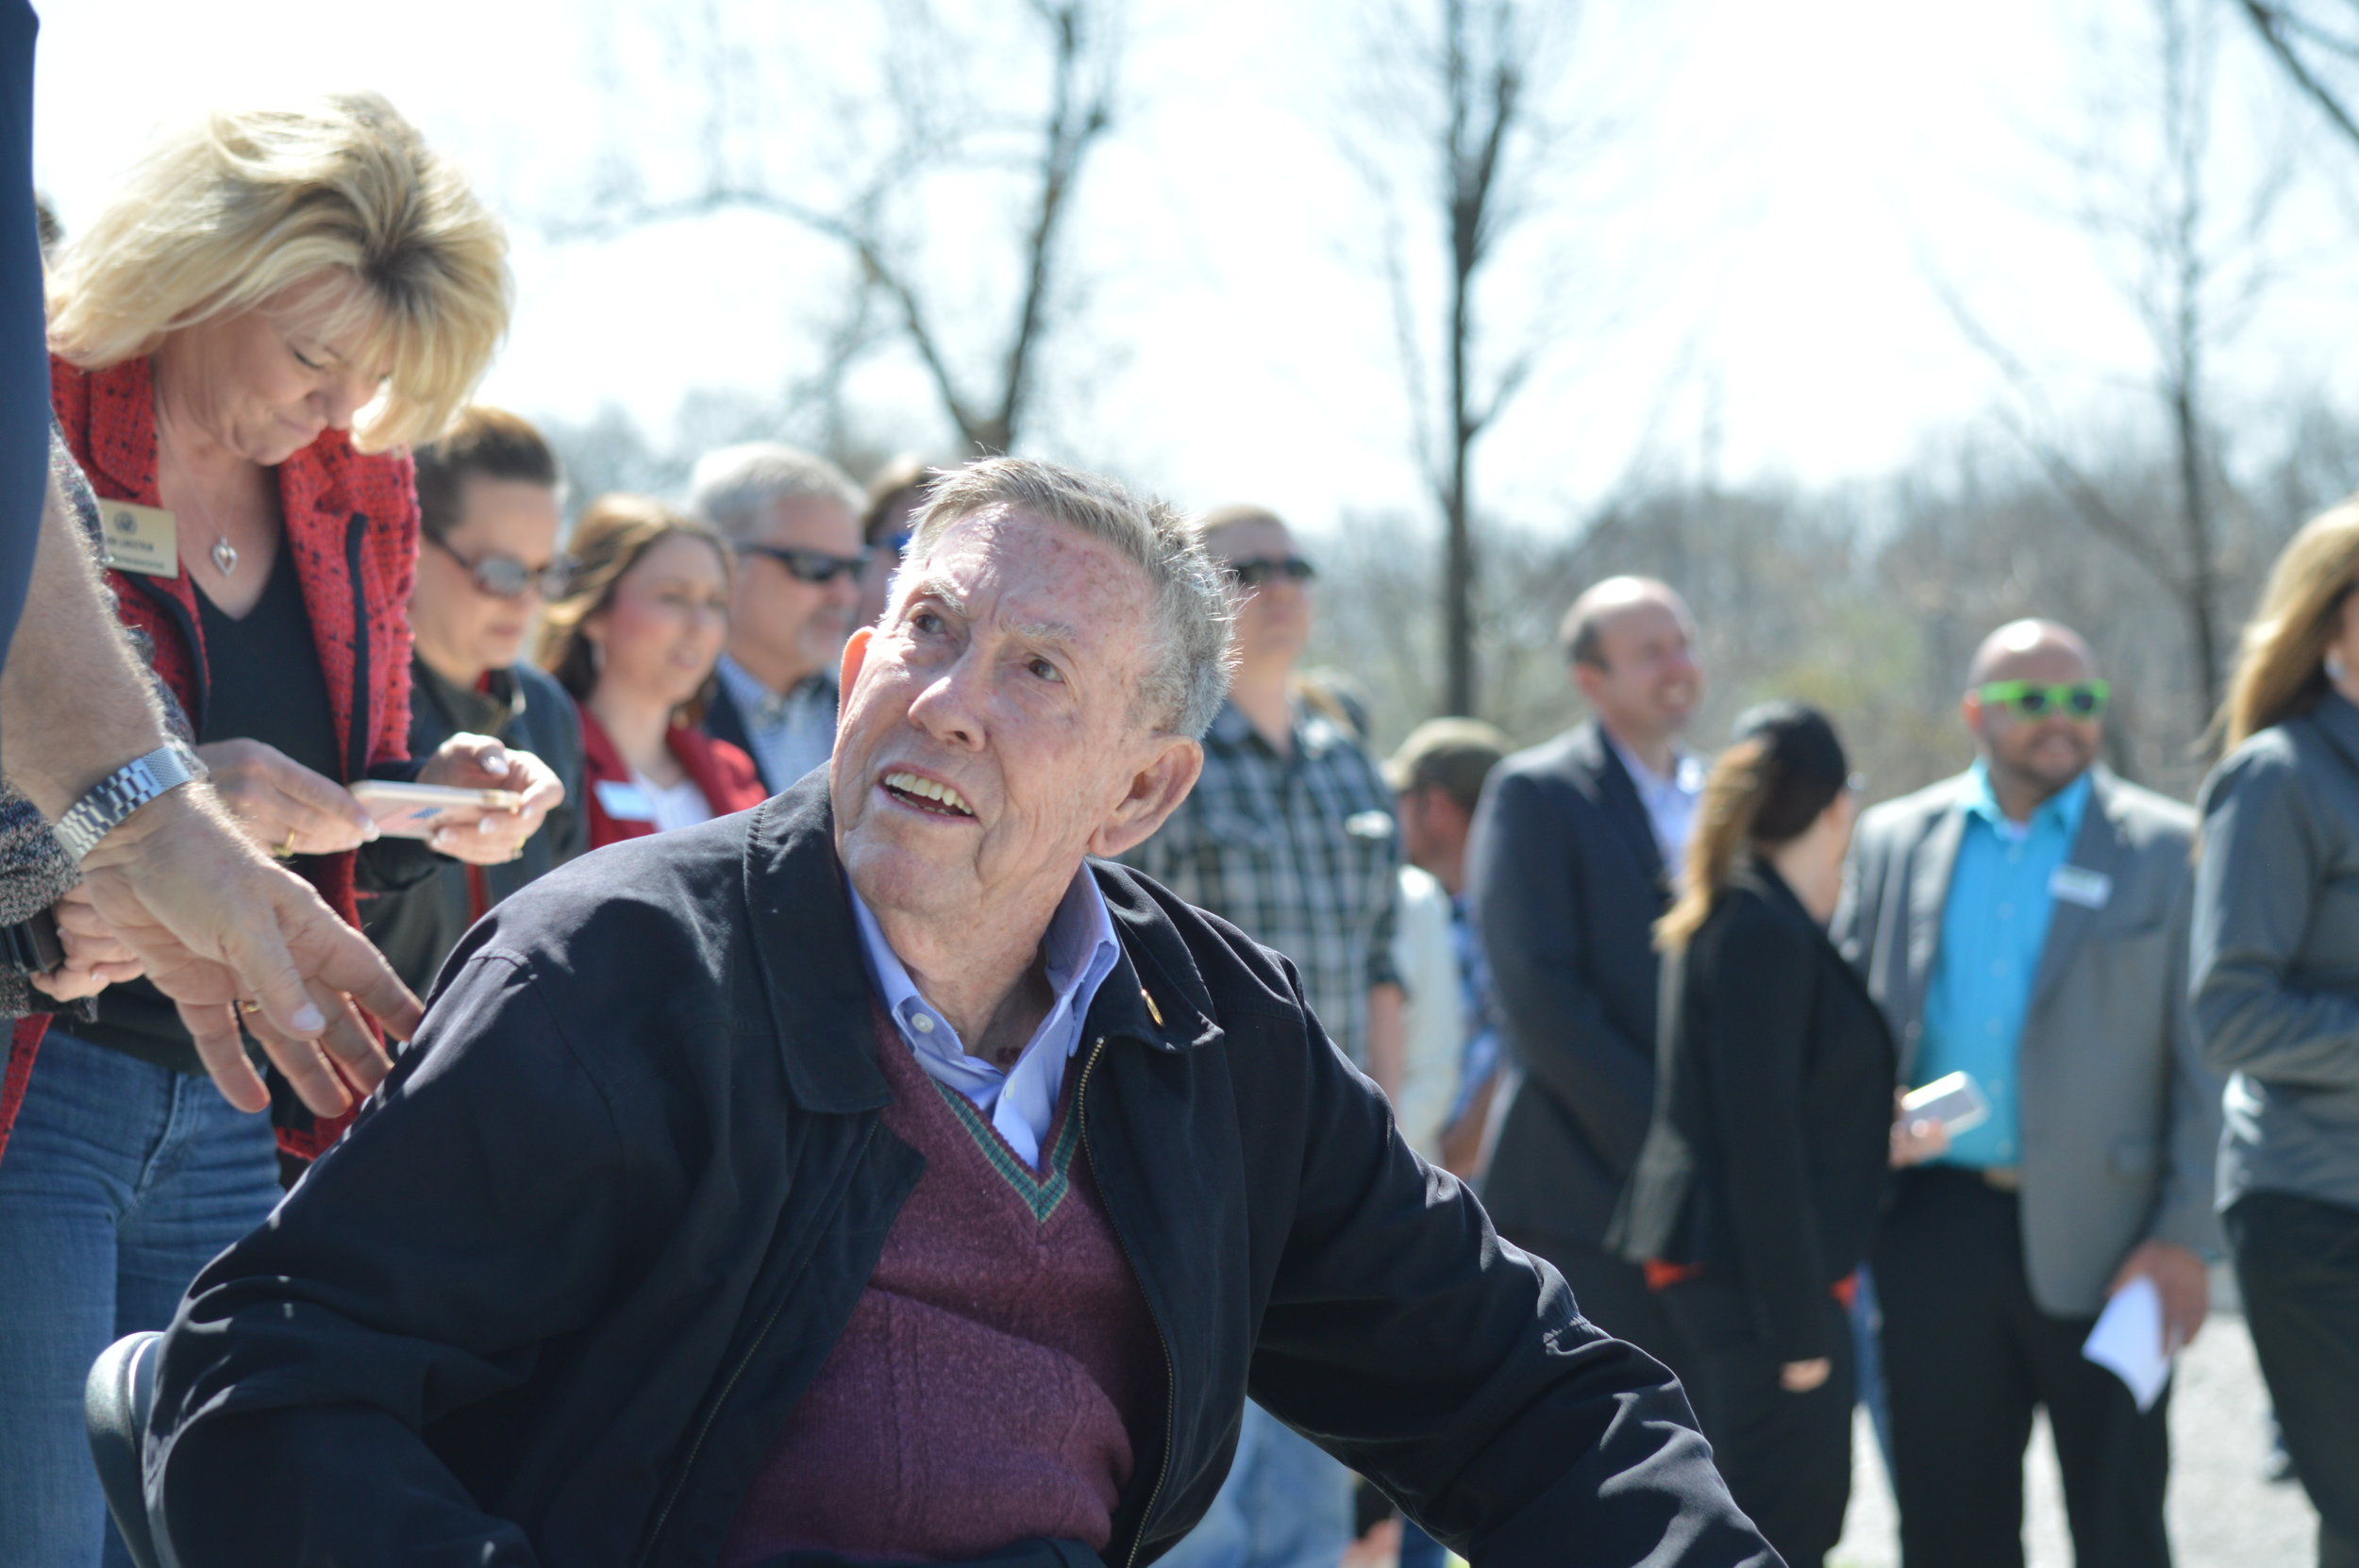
1993,929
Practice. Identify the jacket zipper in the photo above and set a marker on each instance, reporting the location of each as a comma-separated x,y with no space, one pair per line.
184,624
704,1428
357,742
1163,1340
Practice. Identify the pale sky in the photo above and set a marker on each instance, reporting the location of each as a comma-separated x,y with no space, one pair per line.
1755,266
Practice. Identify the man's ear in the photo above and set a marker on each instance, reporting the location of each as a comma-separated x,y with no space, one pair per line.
1586,679
1156,790
855,657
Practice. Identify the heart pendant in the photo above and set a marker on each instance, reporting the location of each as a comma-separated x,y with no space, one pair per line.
224,555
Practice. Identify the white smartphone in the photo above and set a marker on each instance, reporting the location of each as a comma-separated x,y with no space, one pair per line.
1954,1100
416,810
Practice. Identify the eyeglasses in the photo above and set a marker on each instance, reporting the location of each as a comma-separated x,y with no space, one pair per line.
1261,569
812,566
2037,699
506,577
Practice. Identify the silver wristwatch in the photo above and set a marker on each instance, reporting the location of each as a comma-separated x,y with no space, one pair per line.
124,792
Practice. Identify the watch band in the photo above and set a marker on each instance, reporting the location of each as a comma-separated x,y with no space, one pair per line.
124,792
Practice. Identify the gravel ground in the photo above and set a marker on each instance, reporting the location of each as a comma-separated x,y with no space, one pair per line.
2223,1513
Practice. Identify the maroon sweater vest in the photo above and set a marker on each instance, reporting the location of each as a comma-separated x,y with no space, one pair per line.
986,1386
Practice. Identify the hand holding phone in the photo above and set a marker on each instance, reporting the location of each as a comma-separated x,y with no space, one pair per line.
419,811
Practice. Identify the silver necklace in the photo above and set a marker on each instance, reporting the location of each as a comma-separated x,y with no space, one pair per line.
224,553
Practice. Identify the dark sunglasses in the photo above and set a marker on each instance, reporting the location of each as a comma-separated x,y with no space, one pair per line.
1261,569
506,577
812,566
2037,699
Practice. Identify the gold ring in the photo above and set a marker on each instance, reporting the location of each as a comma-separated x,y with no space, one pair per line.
286,851
249,1005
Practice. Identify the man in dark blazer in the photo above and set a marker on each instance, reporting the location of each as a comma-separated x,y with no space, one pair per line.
2026,922
1574,848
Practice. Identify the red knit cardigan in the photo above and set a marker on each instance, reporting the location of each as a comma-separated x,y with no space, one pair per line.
722,773
352,524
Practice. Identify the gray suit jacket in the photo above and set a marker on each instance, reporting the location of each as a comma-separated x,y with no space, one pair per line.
2276,955
2121,1117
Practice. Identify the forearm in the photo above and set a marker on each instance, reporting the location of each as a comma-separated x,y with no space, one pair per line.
75,705
1387,1038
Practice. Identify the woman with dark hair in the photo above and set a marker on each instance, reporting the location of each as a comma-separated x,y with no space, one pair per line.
1758,1183
2274,963
634,641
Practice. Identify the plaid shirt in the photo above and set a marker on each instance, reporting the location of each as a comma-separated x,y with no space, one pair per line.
1299,852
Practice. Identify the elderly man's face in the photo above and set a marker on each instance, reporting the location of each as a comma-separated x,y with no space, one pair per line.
991,733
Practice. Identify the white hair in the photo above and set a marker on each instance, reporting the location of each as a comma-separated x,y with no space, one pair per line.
1183,688
734,488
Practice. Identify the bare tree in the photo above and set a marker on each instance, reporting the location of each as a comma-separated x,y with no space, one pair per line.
2192,262
1460,80
927,127
2317,48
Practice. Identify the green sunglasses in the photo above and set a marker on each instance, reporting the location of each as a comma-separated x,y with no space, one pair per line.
2039,699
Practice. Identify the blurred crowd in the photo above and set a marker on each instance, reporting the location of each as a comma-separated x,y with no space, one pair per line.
1660,1006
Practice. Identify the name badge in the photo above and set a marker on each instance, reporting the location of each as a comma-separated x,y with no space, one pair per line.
2091,890
140,539
625,801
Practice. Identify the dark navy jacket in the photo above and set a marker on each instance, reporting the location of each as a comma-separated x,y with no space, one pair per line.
556,1294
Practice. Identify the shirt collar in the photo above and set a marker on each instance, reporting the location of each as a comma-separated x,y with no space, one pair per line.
1686,777
763,708
1080,950
2059,812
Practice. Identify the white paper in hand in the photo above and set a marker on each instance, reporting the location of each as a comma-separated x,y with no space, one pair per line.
2128,1341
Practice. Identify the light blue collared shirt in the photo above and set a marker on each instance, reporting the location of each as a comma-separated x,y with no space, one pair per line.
1080,950
790,734
1670,803
1993,930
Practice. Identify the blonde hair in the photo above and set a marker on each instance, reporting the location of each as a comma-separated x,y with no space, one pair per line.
222,216
614,534
1738,785
2280,659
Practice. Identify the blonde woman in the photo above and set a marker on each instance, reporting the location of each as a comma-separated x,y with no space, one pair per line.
2275,965
240,342
1757,1189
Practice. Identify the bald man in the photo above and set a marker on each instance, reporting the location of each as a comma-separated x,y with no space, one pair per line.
2025,922
1573,850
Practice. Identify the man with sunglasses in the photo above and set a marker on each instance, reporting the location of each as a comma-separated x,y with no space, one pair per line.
488,558
794,521
2025,922
1289,834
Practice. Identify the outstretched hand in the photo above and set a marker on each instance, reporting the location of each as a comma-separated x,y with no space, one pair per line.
228,934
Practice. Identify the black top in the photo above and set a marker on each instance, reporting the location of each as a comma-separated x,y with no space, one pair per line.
416,928
554,1296
1766,1160
265,684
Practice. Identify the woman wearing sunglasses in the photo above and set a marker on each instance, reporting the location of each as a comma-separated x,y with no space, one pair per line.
634,641
488,526
1757,1189
2276,978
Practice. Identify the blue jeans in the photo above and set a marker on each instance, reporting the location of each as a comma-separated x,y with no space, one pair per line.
121,1180
1285,1505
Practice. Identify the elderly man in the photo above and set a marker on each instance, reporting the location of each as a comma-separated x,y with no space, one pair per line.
794,521
2025,922
1575,846
870,1176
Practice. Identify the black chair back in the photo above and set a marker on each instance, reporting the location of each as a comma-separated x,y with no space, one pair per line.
115,1403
